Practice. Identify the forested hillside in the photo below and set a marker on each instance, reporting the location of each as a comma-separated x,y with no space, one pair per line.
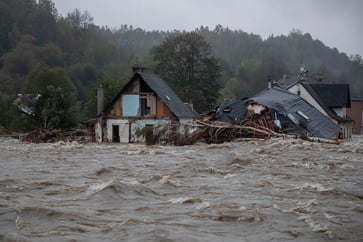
36,42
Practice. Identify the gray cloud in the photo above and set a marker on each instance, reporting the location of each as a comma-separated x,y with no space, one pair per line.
338,23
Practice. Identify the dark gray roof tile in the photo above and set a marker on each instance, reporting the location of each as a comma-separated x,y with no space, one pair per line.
167,95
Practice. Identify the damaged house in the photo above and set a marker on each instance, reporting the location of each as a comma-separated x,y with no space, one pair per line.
277,110
145,101
331,99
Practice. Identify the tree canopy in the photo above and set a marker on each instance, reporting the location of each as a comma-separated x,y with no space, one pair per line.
203,66
185,61
55,104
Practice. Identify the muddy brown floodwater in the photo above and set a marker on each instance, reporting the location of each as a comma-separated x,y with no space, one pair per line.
273,190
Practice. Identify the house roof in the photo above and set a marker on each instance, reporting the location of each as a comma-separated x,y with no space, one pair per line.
164,92
287,103
287,82
333,95
320,92
231,111
167,95
327,95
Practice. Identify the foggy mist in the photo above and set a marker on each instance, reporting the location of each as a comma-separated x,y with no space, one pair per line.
337,23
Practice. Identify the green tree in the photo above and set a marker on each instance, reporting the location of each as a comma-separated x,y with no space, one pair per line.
41,22
84,77
6,20
49,54
79,20
56,105
186,63
6,110
19,62
111,88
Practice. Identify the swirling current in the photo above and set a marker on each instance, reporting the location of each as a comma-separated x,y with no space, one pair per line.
262,190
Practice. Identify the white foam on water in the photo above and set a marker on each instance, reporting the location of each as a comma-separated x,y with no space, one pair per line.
242,208
183,200
66,144
101,186
314,186
167,179
227,176
203,205
347,166
314,225
308,203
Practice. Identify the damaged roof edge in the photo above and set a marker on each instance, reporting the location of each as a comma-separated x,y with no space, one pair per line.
285,111
286,102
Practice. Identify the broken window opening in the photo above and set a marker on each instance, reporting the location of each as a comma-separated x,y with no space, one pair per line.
277,122
144,109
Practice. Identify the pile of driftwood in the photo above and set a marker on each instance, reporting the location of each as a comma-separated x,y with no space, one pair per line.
55,135
218,132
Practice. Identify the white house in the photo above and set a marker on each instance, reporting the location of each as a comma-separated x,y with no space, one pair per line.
145,101
331,99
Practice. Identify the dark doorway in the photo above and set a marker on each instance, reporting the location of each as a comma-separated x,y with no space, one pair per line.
115,133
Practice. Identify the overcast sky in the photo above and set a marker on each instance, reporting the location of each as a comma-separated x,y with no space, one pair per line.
337,23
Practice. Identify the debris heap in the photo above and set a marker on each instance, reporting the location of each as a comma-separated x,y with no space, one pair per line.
55,135
274,112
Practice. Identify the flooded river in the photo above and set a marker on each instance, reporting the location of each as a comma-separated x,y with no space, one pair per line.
274,190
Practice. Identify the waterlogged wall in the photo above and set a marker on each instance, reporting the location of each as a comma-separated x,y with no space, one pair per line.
274,190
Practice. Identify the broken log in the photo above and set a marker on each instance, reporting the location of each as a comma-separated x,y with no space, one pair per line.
218,132
321,140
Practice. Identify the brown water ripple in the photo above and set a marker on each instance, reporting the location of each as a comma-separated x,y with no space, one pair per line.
273,190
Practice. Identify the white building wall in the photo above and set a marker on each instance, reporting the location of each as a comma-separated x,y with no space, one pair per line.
123,129
128,131
341,112
98,132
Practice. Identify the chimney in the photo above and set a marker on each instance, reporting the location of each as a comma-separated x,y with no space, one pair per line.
138,68
100,99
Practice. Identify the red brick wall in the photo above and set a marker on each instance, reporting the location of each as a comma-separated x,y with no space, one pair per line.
355,112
